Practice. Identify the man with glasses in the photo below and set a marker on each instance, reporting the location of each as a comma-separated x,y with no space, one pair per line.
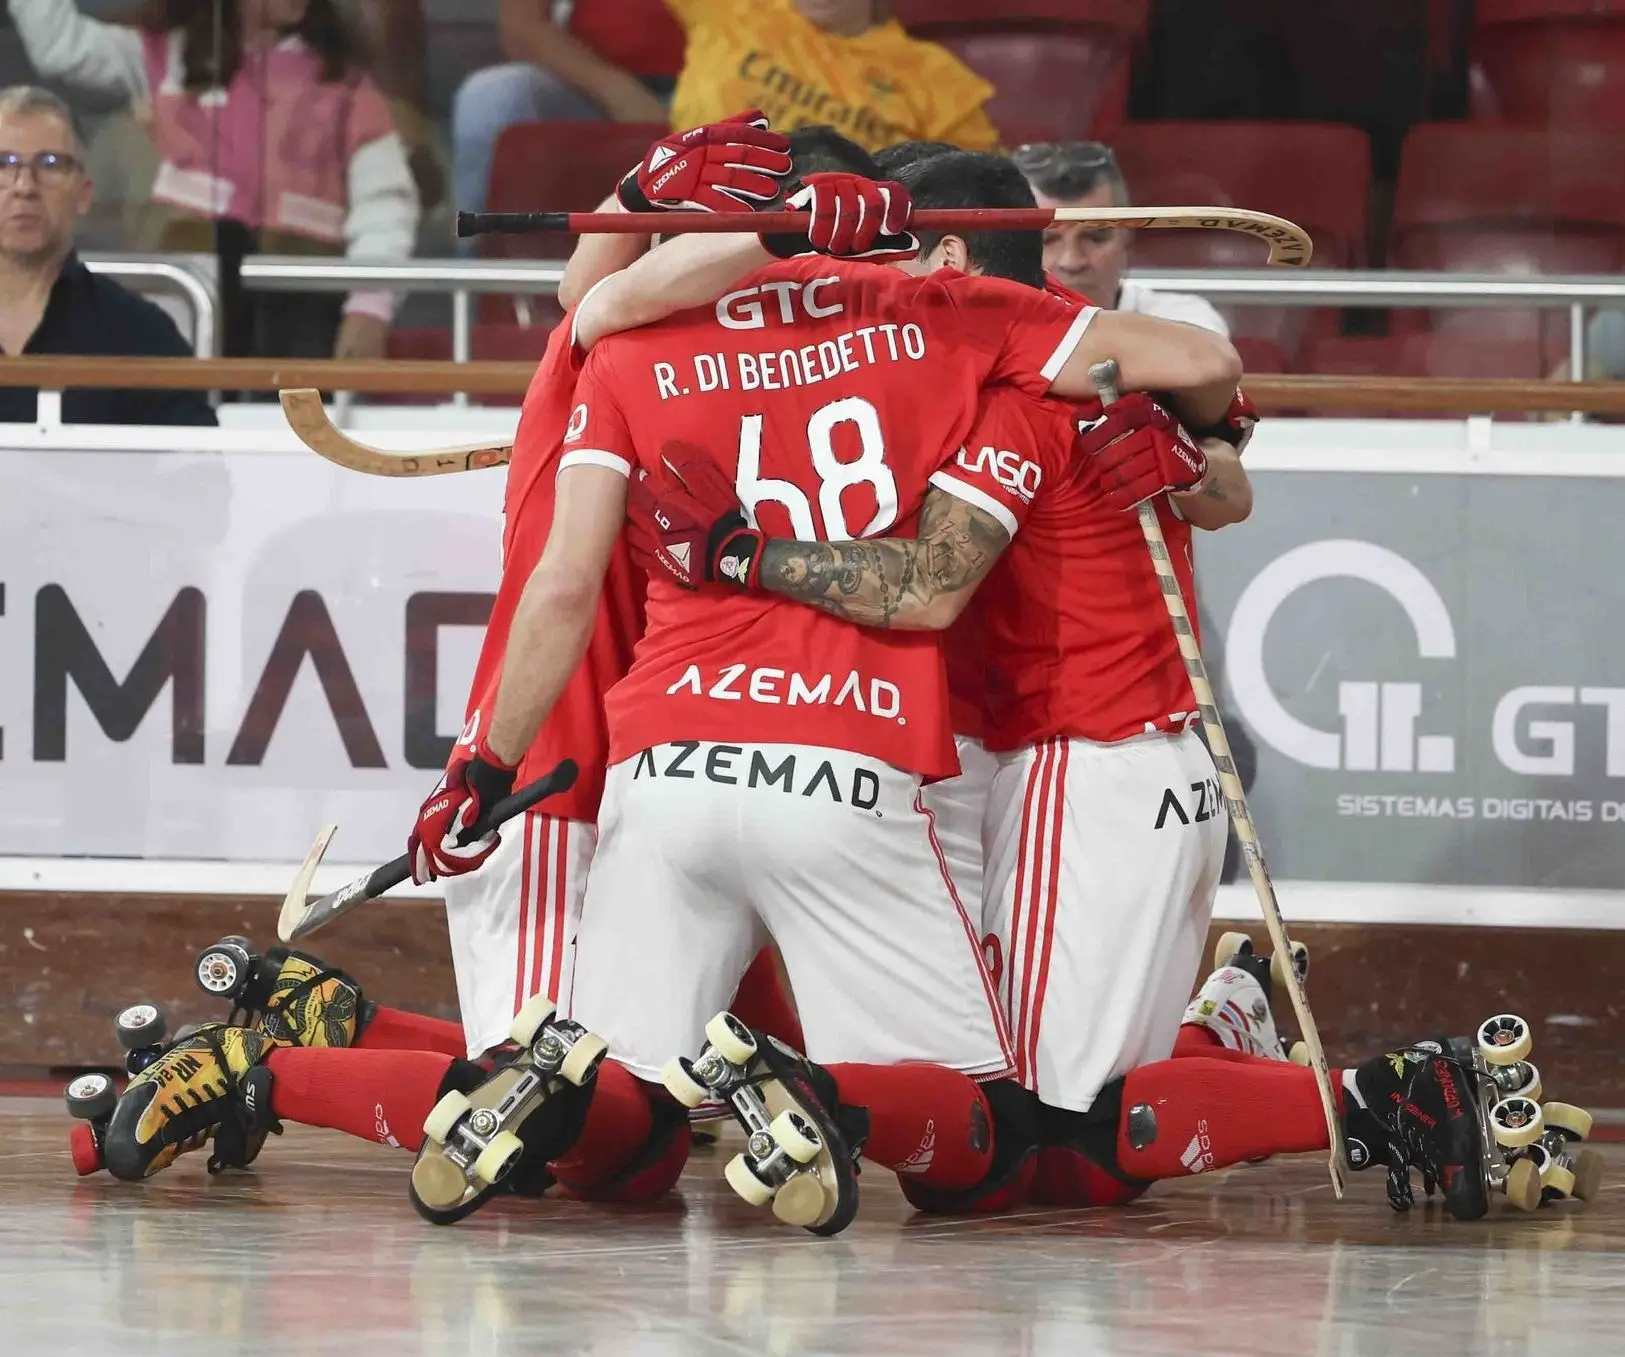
50,303
1085,174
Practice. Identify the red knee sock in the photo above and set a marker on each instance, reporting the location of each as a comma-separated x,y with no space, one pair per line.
619,1127
1196,1039
764,1004
1066,1177
394,1029
930,1124
1214,1113
376,1095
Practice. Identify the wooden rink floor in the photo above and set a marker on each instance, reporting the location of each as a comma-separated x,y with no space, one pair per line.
318,1252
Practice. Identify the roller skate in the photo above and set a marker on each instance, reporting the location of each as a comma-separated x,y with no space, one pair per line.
1234,1002
802,1150
293,997
528,1111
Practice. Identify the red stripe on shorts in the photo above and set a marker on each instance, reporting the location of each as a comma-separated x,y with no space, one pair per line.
557,914
1051,902
544,902
1018,1004
1032,903
520,949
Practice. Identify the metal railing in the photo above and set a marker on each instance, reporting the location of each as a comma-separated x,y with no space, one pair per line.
136,269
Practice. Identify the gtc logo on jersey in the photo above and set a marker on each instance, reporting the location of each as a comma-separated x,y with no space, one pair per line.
1016,474
577,425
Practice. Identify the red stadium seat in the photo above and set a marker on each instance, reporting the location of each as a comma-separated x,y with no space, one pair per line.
932,18
1422,355
1494,13
1067,84
1566,74
1261,355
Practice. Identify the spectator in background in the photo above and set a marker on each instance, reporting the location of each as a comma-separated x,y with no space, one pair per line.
1092,261
49,301
271,137
590,61
842,62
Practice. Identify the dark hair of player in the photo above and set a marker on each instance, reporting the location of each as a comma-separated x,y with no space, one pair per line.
978,179
893,159
820,149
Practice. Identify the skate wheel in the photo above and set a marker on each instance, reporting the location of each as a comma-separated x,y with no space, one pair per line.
82,1145
1516,1122
800,1201
438,1183
1300,960
1588,1165
1558,1180
444,1116
1229,945
582,1060
796,1136
742,1177
1505,1040
90,1097
677,1075
1526,1081
1572,1123
498,1157
1523,1185
1299,1054
731,1038
528,1021
139,1025
223,969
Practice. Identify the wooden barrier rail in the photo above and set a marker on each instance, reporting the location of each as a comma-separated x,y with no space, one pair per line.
1275,394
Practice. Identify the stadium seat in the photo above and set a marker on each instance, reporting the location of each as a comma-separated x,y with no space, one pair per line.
1422,355
1562,73
932,18
1494,13
493,343
1067,84
1480,198
1261,355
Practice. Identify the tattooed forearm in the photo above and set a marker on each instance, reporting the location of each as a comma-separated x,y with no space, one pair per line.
920,582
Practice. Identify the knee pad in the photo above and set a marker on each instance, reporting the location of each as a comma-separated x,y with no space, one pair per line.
1014,1113
302,1001
1066,1177
1093,1134
655,1166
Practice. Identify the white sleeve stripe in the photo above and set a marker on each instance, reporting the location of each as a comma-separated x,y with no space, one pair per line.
1070,341
575,315
980,498
596,457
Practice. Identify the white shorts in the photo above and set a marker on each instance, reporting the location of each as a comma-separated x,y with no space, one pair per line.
1102,863
513,923
707,850
959,805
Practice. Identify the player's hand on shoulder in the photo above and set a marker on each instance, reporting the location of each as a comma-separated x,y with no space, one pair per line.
474,781
685,523
736,165
1136,449
1236,428
849,217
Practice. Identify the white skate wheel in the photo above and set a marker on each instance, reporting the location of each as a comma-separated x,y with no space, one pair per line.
1572,1123
438,1182
139,1025
1516,1122
1299,1054
1505,1040
742,1178
731,1038
1559,1180
1229,945
581,1061
682,1085
223,968
91,1097
801,1201
1523,1185
796,1136
444,1116
528,1021
1588,1166
1540,1156
1531,1086
498,1157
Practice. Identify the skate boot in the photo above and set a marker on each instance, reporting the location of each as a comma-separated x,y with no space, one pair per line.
802,1152
1234,1002
209,1086
293,997
526,1113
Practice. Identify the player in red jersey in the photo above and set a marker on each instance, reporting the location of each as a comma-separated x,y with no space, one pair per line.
766,765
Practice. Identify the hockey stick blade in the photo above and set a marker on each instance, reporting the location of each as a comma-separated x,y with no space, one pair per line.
307,417
1289,243
293,904
320,913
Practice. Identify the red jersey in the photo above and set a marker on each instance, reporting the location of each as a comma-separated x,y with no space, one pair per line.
1075,638
829,392
576,728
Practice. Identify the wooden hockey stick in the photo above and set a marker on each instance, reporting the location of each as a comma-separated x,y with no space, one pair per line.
1105,376
300,919
307,417
1288,242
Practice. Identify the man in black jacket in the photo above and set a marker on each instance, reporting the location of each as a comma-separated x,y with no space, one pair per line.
50,303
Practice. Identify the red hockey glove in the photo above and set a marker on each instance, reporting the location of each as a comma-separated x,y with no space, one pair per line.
736,165
1237,425
474,781
850,217
1137,450
687,523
